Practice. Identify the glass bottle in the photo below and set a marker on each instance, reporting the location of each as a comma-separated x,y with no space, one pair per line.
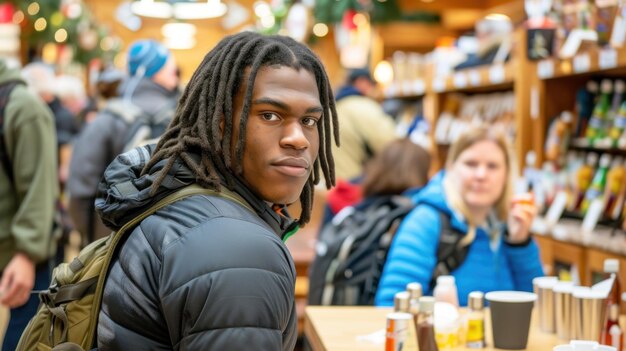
611,332
475,338
401,302
425,325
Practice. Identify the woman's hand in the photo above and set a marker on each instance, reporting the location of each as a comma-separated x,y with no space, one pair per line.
523,211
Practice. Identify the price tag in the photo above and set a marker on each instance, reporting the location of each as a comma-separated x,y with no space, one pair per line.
439,84
496,74
474,78
392,90
591,219
582,63
419,87
406,87
607,58
556,209
545,69
460,80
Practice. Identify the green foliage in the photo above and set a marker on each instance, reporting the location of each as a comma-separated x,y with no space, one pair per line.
83,25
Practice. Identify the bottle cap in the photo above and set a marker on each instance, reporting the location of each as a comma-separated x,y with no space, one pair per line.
476,300
611,265
401,302
445,280
606,86
427,304
414,289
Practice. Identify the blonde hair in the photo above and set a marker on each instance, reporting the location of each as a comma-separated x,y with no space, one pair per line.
450,184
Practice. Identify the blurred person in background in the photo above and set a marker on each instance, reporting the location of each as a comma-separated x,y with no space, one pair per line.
400,168
151,92
475,192
41,79
28,193
71,92
365,127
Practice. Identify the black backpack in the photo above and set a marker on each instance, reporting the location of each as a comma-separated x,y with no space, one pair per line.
352,249
142,128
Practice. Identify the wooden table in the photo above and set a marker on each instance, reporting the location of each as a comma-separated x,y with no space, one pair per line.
336,329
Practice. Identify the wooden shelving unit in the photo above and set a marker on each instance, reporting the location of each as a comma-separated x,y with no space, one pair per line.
542,90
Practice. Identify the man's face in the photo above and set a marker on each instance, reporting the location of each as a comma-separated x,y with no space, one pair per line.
167,76
282,140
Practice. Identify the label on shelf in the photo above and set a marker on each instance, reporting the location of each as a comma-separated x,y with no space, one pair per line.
591,219
459,80
545,69
439,84
474,78
607,58
392,90
406,87
556,209
582,63
496,74
419,87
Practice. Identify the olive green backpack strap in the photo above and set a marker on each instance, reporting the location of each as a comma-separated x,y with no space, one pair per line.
190,190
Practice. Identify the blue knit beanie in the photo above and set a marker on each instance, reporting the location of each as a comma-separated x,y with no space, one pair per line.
148,54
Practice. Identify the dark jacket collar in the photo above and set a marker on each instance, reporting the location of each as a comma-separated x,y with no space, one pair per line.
123,194
347,90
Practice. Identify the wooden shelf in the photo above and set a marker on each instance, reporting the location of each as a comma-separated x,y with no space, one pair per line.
476,80
471,80
592,61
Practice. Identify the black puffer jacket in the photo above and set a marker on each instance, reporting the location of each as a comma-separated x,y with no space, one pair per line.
204,273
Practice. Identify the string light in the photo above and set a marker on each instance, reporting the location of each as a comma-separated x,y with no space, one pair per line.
60,35
33,9
320,29
40,24
18,17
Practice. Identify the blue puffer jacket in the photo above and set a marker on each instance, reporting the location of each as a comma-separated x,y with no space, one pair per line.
487,267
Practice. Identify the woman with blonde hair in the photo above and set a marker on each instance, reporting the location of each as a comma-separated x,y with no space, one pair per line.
475,194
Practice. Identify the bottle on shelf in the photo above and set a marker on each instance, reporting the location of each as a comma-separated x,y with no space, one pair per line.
558,138
612,334
596,130
585,99
475,338
614,184
446,291
617,132
584,176
425,325
596,188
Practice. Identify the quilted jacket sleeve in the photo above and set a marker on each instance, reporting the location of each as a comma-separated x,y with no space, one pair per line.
412,256
232,292
525,264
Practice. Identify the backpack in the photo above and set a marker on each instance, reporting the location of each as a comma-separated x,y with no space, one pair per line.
352,250
67,316
142,128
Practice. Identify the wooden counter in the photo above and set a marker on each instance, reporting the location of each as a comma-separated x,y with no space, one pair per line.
336,329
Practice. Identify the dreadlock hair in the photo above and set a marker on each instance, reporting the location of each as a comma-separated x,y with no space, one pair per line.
208,100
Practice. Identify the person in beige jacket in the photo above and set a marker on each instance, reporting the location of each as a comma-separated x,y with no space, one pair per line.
365,127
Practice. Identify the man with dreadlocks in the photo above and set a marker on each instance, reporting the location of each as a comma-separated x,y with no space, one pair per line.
212,272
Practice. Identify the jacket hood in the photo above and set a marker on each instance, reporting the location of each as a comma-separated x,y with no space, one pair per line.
8,74
347,90
124,193
433,194
150,96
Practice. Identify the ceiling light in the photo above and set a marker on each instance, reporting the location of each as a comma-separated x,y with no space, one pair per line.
149,8
199,10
